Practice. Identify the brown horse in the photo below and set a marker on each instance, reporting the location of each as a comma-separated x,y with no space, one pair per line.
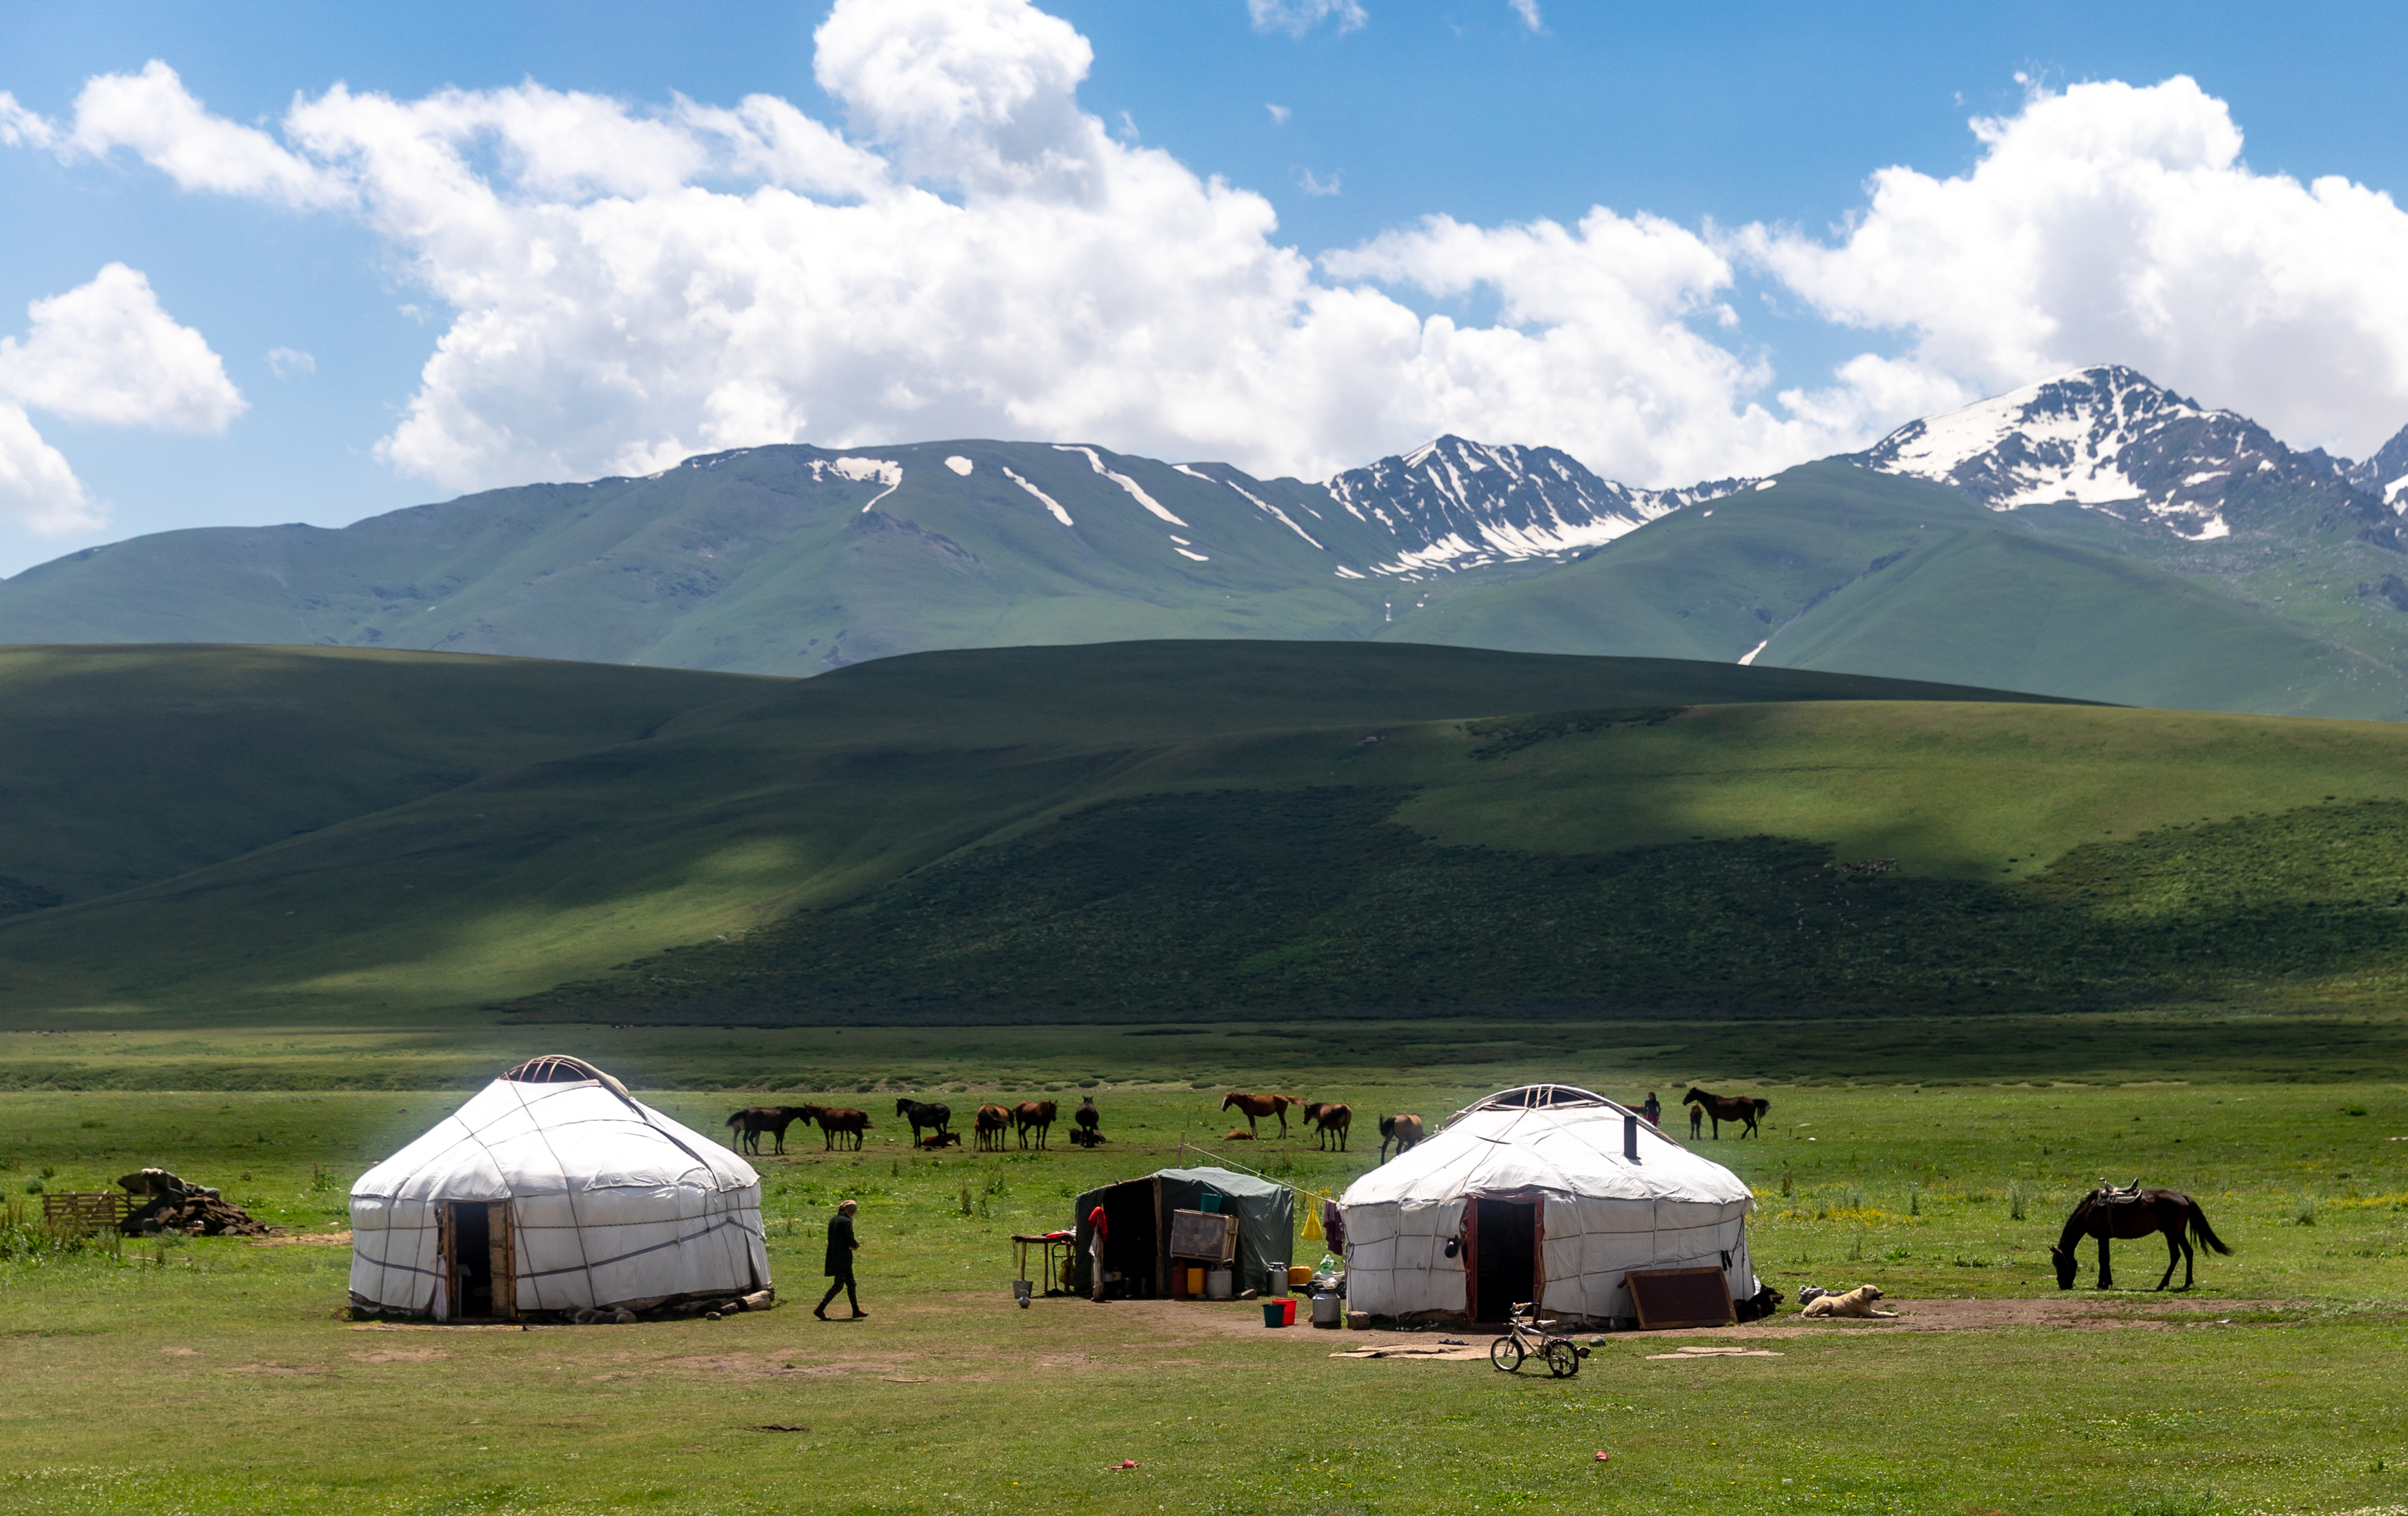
1725,1108
1254,1106
1038,1114
1330,1118
835,1122
2170,1211
1403,1130
988,1126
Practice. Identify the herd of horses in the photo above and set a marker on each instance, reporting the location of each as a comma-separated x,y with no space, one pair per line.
843,1127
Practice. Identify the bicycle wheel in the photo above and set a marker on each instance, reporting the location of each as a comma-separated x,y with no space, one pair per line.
1563,1359
1505,1354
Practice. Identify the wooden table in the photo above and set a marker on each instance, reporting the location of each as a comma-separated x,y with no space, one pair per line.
1055,1255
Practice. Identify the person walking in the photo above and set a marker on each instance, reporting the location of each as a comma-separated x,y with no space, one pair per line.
1096,1228
1654,1110
841,1245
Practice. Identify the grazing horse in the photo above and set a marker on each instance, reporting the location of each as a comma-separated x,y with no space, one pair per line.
1090,1120
2170,1211
1254,1106
989,1125
1403,1130
1037,1113
1330,1117
837,1121
1725,1108
933,1117
749,1123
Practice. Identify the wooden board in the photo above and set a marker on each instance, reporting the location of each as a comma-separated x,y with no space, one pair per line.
1668,1299
1206,1235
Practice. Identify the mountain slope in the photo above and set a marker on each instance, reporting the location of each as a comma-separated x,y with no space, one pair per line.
307,832
795,560
1832,566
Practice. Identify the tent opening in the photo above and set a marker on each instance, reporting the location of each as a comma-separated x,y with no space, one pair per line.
1130,1246
1504,1262
478,1255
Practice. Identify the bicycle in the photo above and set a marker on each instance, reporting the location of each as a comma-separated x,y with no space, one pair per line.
1525,1334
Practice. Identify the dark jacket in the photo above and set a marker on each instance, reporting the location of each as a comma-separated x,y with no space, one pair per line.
839,1246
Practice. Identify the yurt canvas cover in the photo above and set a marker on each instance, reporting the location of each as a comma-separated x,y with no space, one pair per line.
1137,1213
1534,1183
554,1188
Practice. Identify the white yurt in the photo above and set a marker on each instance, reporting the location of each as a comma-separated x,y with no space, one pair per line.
553,1190
1542,1193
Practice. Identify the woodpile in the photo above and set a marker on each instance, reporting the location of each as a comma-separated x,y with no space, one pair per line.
172,1204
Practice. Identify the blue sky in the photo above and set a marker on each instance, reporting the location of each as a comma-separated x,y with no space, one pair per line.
1733,145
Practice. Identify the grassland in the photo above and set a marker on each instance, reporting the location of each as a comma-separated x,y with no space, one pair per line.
209,1376
431,838
313,833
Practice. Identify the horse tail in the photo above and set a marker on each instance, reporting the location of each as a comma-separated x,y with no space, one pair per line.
2203,1231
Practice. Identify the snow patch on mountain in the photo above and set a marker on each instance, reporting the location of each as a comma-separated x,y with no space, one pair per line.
884,471
2384,476
1259,502
1136,491
1050,504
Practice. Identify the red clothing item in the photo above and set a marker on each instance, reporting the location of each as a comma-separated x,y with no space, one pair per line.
1095,1219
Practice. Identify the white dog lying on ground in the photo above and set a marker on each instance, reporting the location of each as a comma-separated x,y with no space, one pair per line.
1857,1302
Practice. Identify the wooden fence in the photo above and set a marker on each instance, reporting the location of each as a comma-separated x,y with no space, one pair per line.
85,1211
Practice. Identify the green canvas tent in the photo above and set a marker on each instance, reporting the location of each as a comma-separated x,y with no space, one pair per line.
1136,1233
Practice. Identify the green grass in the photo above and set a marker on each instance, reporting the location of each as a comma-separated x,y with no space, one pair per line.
1358,809
216,1375
333,833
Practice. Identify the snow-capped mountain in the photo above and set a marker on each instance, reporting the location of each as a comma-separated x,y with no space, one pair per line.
1452,504
2384,476
2108,439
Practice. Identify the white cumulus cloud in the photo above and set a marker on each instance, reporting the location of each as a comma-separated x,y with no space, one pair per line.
105,351
2120,223
37,489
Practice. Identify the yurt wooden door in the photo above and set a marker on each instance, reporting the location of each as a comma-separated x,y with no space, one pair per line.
477,1259
1500,1263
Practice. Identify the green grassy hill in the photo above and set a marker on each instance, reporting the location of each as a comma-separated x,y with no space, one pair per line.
789,560
1838,567
1126,830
